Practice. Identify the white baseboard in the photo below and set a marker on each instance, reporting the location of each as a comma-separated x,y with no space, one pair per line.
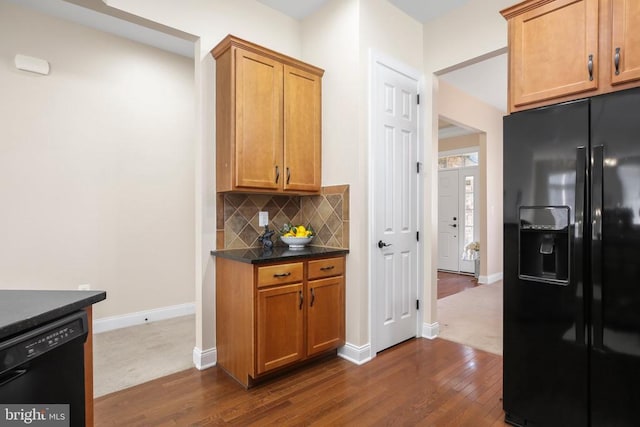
204,359
430,330
355,354
492,278
116,322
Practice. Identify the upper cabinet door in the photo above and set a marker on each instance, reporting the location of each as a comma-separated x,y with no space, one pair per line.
553,49
625,41
258,121
302,130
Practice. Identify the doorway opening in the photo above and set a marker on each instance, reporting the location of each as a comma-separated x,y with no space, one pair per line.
459,204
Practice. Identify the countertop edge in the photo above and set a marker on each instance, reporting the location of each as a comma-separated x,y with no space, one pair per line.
39,318
232,255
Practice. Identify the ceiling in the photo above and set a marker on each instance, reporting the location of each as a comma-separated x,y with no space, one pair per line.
421,10
485,80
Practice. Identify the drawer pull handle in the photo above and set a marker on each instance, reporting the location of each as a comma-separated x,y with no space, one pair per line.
277,173
590,67
288,174
616,61
301,300
331,267
278,275
313,297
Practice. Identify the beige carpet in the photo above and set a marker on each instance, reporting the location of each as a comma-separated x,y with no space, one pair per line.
129,356
473,317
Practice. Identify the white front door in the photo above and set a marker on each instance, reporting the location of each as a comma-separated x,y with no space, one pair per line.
458,217
448,220
394,269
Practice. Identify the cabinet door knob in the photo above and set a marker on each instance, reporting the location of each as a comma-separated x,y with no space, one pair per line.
616,61
288,174
313,298
590,67
277,173
301,300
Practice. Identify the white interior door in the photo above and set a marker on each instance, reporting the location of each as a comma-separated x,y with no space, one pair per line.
394,269
448,220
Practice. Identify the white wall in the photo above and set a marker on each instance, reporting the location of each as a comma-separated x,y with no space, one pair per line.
467,32
327,39
471,31
211,21
459,142
96,165
330,40
338,38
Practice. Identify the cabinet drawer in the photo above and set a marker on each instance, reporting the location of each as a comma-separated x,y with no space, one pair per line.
326,268
279,274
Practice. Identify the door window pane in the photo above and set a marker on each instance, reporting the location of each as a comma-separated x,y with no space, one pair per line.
468,202
468,184
471,159
469,209
455,162
458,161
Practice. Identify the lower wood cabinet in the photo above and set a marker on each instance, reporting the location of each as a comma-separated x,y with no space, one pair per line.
272,316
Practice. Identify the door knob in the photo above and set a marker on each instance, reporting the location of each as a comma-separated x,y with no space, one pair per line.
454,225
454,218
382,244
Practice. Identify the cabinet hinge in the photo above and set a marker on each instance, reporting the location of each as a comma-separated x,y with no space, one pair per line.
418,99
418,236
417,304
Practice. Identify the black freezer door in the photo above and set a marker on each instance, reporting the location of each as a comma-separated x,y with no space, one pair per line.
615,264
545,343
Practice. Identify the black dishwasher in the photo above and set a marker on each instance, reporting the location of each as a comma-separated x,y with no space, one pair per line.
45,366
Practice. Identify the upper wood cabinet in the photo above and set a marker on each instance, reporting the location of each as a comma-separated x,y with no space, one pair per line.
625,41
268,120
568,49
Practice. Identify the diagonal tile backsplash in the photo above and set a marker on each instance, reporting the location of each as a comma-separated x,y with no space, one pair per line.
328,214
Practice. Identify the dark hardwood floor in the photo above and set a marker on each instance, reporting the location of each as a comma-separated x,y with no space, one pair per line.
451,283
420,382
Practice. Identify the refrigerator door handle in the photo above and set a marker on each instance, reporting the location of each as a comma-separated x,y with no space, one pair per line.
581,176
579,231
597,172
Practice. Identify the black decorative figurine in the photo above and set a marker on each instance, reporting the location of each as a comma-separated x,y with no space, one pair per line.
265,239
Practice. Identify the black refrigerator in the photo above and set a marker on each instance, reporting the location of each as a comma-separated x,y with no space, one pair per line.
572,263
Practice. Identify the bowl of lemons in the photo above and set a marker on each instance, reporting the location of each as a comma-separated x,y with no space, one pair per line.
296,236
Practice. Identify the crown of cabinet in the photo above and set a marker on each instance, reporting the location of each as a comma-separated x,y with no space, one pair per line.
268,120
561,50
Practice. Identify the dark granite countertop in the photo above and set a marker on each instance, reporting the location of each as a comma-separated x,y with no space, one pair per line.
279,253
21,310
